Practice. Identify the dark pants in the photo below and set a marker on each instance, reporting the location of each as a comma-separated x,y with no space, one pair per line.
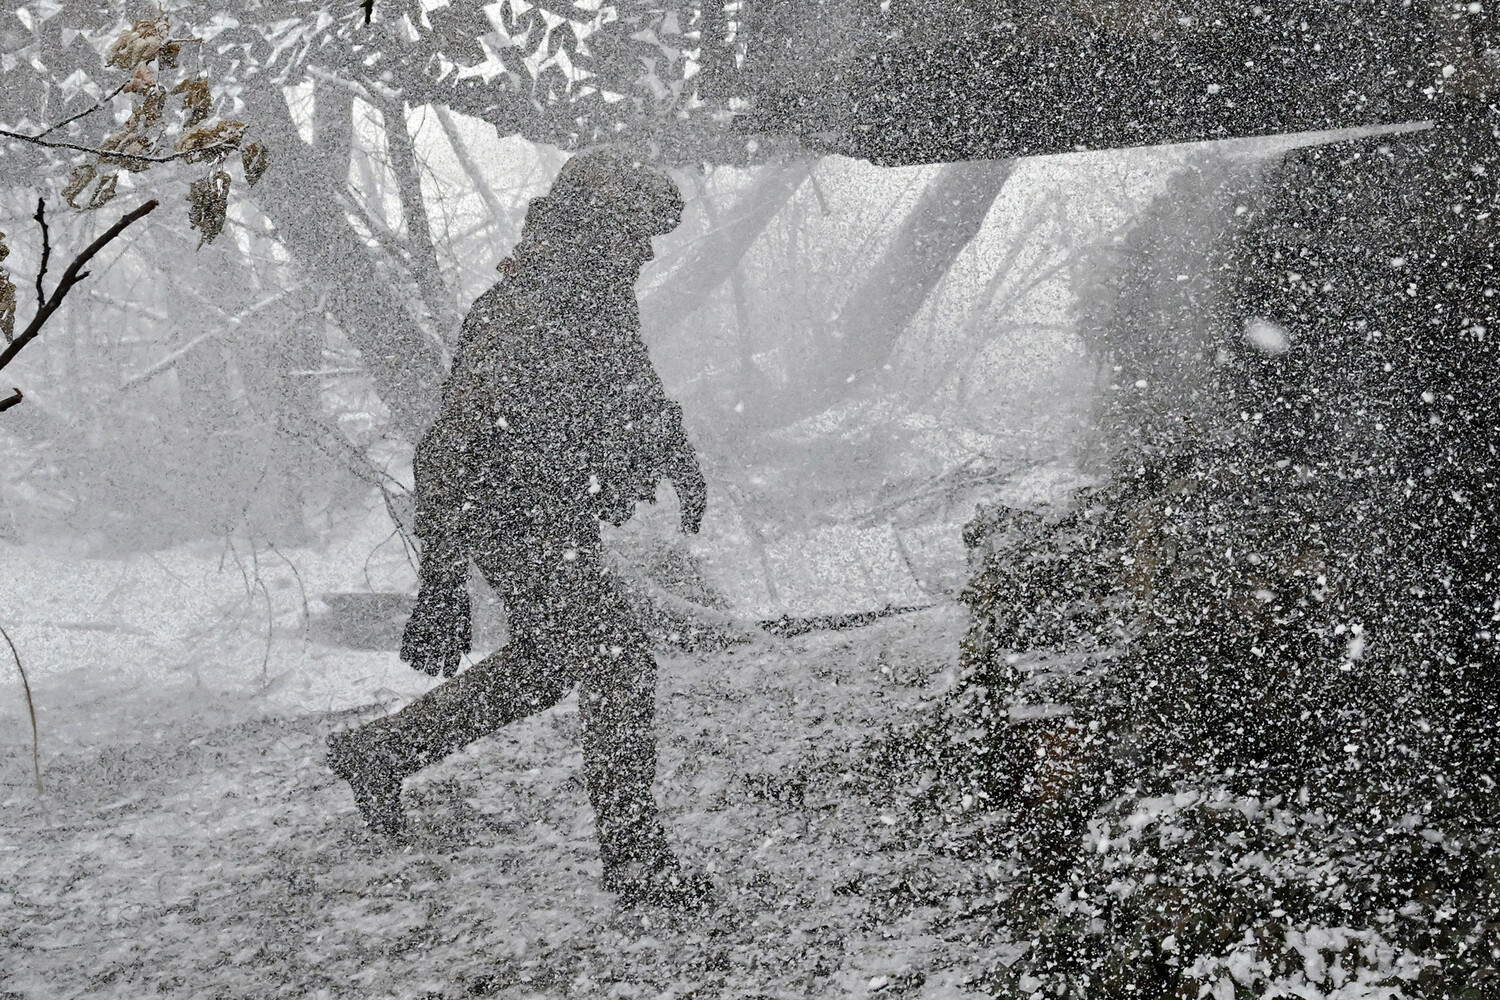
569,627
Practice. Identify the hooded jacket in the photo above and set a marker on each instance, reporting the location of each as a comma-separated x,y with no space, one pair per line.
552,409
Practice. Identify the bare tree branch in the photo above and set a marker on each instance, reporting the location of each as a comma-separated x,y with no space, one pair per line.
11,400
406,366
918,255
232,322
690,283
421,248
115,154
71,276
41,220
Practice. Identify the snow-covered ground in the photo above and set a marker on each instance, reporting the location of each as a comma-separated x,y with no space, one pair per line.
191,841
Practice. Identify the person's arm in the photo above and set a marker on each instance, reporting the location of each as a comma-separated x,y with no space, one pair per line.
669,453
453,457
680,467
447,474
448,467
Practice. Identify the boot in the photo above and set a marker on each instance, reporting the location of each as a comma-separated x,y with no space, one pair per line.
658,880
377,756
375,782
618,706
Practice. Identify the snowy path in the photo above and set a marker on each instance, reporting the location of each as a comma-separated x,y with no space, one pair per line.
218,857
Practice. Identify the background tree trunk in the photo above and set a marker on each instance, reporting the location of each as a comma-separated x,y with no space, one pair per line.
306,206
949,214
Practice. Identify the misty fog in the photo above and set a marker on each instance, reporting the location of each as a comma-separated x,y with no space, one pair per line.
1093,593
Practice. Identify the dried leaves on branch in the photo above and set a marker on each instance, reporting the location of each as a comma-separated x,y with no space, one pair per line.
209,198
166,123
155,130
7,296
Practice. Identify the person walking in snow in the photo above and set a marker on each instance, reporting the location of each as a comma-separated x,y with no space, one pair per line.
552,420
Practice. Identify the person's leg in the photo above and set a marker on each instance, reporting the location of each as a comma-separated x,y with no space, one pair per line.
617,700
588,620
505,686
617,703
518,680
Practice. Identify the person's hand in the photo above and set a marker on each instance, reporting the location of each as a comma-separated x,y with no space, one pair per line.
692,497
438,632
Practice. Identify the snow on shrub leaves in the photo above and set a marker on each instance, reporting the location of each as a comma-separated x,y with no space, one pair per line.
1228,719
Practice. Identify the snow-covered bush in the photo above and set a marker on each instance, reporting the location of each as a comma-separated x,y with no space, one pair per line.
1202,892
1235,706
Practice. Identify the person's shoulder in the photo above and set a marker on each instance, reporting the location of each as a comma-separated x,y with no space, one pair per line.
500,314
488,308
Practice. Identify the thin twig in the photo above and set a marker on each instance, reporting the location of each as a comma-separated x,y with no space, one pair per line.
265,663
139,309
324,372
331,442
36,753
232,323
421,248
71,276
84,114
381,544
306,611
244,574
812,175
911,566
41,220
466,161
408,547
358,88
11,400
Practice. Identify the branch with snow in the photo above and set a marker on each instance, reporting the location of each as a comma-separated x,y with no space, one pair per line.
114,154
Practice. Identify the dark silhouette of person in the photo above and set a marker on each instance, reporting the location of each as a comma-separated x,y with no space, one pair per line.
553,420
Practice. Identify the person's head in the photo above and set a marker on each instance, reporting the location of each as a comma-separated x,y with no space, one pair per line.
603,210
